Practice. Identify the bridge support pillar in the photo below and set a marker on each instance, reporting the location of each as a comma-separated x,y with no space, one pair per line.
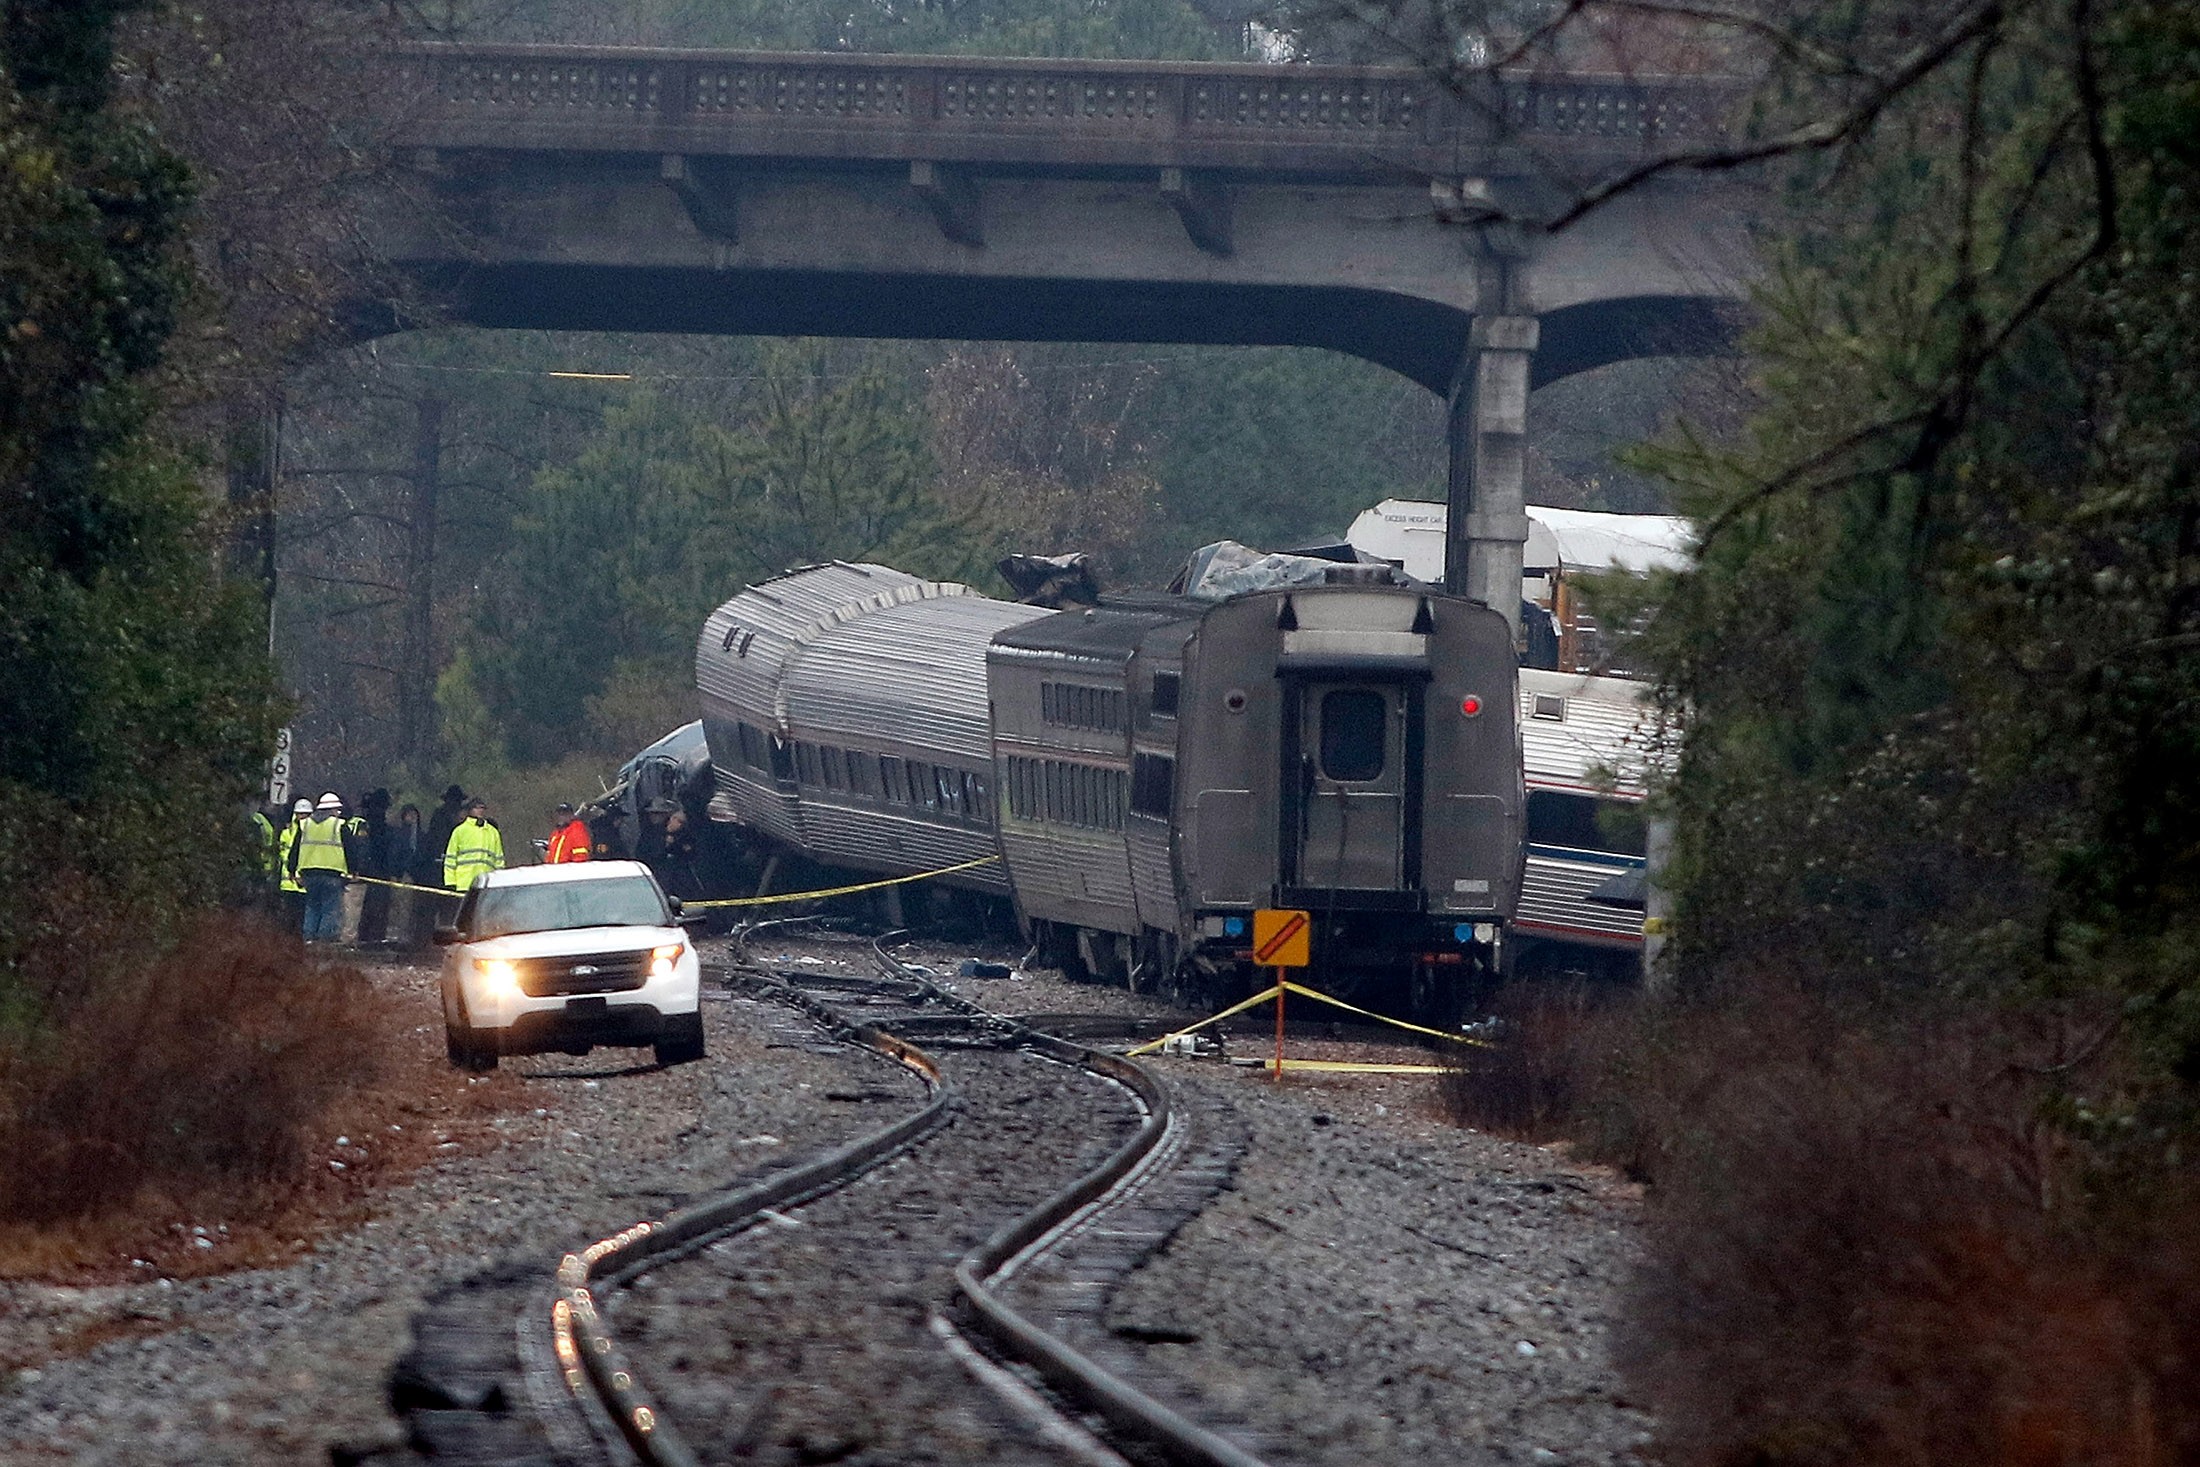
1488,516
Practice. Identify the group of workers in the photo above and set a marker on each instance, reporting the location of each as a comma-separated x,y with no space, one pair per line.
323,847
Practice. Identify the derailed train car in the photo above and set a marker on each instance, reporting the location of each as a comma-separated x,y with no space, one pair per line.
1586,744
845,707
1149,771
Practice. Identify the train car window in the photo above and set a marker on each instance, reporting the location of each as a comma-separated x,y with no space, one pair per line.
1354,723
1167,686
1153,785
862,773
833,765
754,751
1585,823
979,797
805,764
950,784
1624,827
922,789
892,776
1068,705
782,760
1023,789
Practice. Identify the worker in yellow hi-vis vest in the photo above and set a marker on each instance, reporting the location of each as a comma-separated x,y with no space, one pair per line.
318,860
476,848
290,888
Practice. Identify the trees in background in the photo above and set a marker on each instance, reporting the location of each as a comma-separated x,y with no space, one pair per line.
397,553
1920,1091
134,693
1935,659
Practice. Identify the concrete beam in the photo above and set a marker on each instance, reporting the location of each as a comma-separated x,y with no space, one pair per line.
1203,203
707,189
1487,523
953,198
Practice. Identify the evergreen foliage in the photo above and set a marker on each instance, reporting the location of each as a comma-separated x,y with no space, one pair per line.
1942,712
134,706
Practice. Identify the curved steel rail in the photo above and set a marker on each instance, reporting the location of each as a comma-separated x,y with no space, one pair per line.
1069,1370
592,1361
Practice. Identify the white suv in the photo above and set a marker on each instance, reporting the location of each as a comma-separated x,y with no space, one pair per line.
568,957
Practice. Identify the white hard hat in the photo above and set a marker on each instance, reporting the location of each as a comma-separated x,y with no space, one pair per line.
303,807
330,801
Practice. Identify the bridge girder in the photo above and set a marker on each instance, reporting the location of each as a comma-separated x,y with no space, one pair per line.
1366,212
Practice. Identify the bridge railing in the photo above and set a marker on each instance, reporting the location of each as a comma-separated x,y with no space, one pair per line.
1036,111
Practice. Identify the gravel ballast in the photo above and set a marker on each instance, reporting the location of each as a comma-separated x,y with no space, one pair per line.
282,1364
1376,1285
806,1339
1380,1286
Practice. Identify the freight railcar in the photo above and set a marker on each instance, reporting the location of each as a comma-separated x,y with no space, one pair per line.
1150,770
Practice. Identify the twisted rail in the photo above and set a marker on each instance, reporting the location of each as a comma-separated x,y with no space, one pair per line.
594,1365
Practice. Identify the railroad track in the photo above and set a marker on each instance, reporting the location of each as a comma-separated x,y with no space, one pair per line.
1031,1292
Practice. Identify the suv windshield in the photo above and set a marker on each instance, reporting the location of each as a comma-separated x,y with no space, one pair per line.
604,901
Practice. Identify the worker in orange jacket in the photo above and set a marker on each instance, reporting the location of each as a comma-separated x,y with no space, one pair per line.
569,837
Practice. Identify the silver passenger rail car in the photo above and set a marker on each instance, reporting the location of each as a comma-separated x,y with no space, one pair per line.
1586,743
1351,749
845,707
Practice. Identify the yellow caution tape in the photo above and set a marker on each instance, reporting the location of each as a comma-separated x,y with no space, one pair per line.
1261,997
1359,1068
1270,992
833,891
406,886
763,901
1305,992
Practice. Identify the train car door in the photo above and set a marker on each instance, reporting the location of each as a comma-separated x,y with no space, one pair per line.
1354,781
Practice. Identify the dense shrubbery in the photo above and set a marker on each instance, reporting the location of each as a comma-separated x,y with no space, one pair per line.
187,1076
136,708
134,705
1919,1094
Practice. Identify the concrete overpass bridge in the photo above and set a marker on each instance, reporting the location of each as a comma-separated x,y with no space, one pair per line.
1367,211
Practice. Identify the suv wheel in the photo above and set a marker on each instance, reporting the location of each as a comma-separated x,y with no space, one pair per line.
682,1041
469,1048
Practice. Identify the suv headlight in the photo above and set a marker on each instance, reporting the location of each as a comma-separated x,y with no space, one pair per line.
498,973
661,959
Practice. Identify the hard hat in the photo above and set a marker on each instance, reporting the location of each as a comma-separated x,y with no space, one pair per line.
329,801
304,806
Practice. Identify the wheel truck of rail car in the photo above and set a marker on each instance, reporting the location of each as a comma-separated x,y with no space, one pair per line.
1148,771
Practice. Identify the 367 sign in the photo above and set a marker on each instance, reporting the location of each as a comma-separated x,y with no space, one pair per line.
278,770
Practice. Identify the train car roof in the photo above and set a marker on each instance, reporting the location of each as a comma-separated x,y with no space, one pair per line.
914,671
1110,633
1585,733
747,642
